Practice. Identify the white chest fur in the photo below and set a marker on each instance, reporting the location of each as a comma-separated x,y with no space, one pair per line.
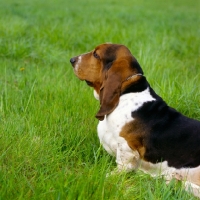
109,129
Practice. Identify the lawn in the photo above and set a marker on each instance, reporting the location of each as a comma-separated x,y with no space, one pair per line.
49,147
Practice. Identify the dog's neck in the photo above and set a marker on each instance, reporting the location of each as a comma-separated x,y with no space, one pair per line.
134,83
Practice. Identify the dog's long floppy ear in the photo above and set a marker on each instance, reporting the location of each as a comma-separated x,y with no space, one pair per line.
111,88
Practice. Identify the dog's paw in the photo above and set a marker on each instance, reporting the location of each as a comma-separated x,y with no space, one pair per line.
117,171
112,173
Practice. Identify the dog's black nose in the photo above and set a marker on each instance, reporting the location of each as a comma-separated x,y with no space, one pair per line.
72,60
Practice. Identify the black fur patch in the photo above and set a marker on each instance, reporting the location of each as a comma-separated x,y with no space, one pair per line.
171,136
136,65
110,56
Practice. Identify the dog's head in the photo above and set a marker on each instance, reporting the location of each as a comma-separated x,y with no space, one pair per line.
109,69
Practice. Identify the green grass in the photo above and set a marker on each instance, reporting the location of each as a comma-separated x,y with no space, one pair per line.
48,142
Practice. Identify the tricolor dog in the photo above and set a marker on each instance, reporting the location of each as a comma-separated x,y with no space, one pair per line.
135,124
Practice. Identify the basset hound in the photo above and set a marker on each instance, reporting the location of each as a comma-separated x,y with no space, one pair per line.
135,124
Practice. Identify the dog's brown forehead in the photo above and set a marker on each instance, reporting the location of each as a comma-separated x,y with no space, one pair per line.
108,48
112,51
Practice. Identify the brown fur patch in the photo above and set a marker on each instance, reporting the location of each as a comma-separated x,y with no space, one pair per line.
134,134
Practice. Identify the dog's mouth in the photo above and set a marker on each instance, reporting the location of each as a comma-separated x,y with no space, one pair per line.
78,72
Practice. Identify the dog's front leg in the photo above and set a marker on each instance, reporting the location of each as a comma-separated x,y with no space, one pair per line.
126,159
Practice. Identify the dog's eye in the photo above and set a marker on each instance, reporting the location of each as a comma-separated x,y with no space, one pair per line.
96,55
